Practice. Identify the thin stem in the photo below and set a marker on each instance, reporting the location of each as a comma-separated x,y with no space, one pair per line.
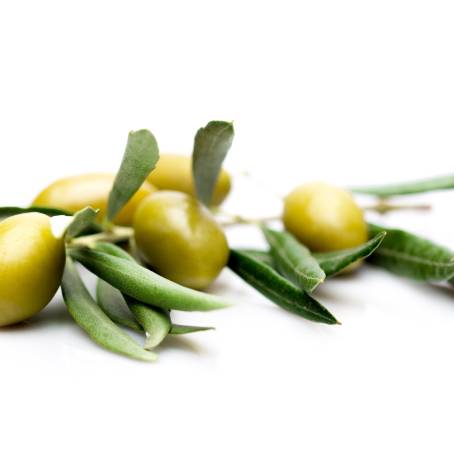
381,207
384,207
240,220
116,235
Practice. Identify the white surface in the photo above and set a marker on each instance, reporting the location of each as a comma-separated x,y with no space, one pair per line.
349,92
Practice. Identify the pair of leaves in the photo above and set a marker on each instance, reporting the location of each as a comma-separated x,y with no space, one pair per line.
411,187
283,274
296,271
211,145
409,255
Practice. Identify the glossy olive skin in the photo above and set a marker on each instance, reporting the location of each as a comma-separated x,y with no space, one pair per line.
31,266
179,238
325,218
174,172
76,192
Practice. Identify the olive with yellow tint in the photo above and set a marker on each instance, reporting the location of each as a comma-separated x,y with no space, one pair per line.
324,217
75,193
174,172
31,265
179,238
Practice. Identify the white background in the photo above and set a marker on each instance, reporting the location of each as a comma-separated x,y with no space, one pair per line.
343,91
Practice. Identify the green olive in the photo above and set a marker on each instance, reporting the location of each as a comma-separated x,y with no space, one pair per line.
179,238
174,172
325,218
77,192
31,266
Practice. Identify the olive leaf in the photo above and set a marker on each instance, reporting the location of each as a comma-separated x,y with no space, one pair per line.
259,255
82,221
276,288
411,256
187,329
333,262
112,249
145,285
87,314
6,212
139,160
408,188
293,260
211,145
112,302
155,322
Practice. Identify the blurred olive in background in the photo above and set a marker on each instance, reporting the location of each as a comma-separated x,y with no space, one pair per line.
76,192
174,172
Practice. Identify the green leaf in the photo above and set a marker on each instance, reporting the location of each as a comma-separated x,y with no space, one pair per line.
82,221
6,212
293,260
259,255
92,319
144,285
139,160
278,289
333,262
155,322
112,302
187,329
411,256
411,187
211,145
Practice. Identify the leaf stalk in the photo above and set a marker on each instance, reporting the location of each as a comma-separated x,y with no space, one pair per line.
116,235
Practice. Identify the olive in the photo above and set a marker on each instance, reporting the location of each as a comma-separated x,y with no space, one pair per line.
325,218
77,192
32,262
174,172
180,239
